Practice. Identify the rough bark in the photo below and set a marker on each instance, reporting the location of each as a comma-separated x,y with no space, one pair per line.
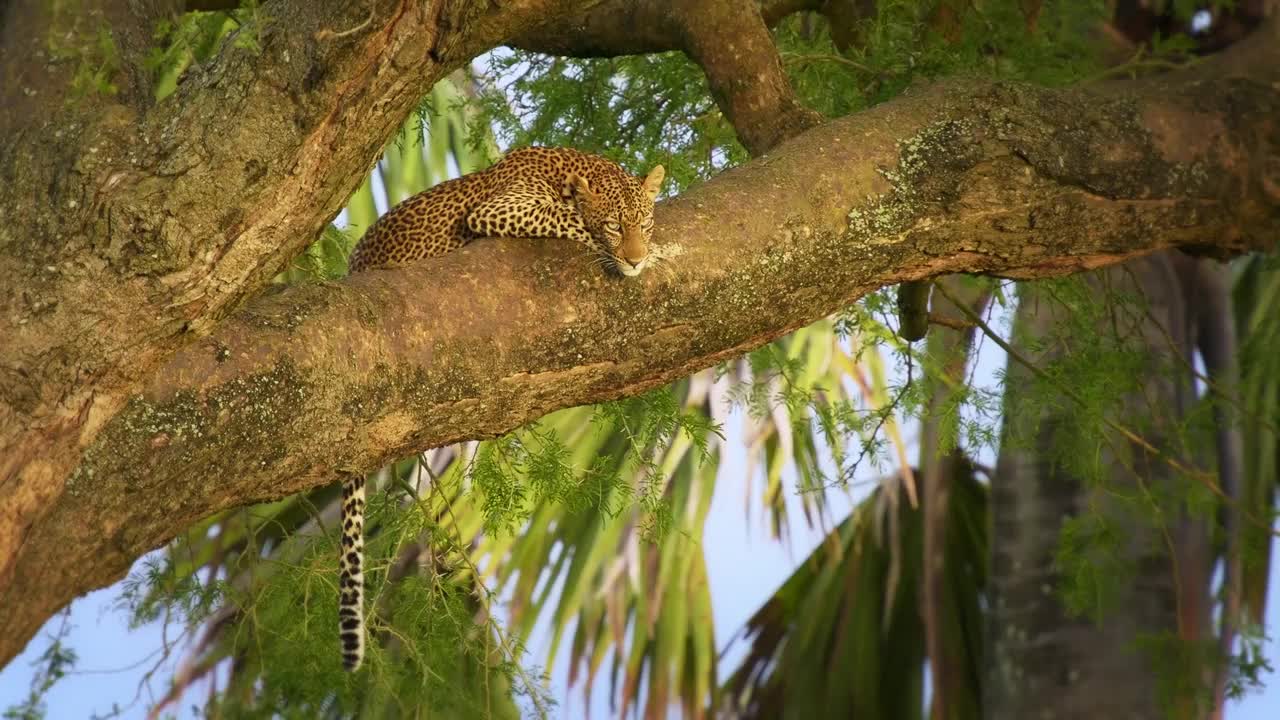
967,177
1040,655
129,229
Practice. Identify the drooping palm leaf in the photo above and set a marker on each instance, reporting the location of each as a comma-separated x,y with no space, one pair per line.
1257,308
831,643
626,598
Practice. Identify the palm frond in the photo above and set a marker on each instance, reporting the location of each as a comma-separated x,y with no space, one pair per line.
831,643
1257,297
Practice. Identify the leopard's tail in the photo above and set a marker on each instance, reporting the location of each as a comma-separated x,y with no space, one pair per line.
351,579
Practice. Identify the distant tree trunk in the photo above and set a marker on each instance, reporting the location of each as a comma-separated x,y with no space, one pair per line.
1148,564
955,695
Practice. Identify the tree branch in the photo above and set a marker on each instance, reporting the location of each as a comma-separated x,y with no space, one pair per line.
729,39
960,177
127,232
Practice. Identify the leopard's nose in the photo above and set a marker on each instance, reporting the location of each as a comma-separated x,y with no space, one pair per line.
630,266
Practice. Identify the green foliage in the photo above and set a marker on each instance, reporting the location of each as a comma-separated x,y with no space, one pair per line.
324,259
1181,664
97,66
444,659
648,425
902,46
1095,562
787,376
250,20
78,37
532,468
644,109
627,578
160,590
1108,367
637,110
1248,666
53,664
1257,297
1102,369
842,637
279,613
193,38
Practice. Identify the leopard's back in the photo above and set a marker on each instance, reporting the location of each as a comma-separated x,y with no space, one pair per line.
430,223
543,198
434,221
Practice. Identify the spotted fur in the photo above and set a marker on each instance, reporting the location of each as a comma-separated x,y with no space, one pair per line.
351,578
531,193
534,192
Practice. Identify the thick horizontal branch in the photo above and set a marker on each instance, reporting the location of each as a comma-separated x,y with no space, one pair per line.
127,232
123,257
1002,179
609,28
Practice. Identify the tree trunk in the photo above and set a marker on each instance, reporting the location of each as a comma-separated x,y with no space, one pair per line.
1143,584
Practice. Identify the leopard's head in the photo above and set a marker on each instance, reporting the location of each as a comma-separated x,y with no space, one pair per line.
617,209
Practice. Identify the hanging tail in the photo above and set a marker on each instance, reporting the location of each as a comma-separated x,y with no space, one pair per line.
350,577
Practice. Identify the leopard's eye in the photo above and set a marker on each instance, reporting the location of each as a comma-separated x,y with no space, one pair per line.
612,226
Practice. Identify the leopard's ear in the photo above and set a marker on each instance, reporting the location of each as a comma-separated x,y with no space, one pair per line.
575,186
653,181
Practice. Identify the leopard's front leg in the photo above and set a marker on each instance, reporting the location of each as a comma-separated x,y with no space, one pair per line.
523,212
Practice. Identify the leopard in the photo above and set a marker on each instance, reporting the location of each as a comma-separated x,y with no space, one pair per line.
532,192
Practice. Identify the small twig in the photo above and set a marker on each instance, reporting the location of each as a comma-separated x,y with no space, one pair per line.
327,34
1137,64
952,323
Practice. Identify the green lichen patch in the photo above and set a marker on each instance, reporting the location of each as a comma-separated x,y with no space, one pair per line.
926,161
241,425
1082,139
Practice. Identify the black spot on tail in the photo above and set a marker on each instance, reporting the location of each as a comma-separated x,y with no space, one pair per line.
350,584
350,661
